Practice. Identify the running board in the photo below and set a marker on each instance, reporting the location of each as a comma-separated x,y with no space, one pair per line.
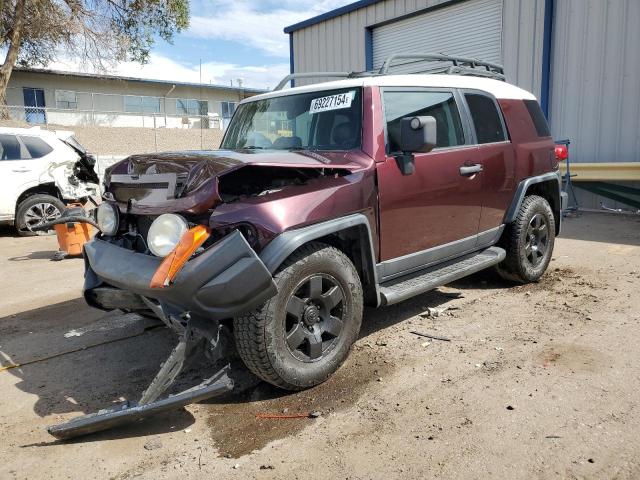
400,289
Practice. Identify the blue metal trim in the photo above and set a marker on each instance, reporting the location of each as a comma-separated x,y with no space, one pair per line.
368,49
292,67
329,15
546,56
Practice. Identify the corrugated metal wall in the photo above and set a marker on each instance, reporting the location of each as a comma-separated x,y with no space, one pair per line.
338,44
469,29
595,79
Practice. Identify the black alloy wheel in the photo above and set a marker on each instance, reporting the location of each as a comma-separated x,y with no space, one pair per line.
299,337
314,317
537,239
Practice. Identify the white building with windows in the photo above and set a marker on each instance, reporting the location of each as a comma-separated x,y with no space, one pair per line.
39,96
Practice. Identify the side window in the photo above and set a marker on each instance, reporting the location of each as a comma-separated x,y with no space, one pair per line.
540,123
440,105
10,147
486,118
36,147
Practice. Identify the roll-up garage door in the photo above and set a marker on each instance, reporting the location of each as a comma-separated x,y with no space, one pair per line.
471,29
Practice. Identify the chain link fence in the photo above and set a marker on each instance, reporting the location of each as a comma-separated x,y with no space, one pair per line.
122,133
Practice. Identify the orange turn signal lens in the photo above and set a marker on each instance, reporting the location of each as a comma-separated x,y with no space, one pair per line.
173,263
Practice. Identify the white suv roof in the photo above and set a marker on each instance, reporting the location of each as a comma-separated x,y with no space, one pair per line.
496,88
37,132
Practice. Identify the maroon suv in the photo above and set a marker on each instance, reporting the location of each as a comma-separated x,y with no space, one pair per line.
323,199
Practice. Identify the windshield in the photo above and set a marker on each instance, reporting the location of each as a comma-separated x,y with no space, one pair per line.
326,120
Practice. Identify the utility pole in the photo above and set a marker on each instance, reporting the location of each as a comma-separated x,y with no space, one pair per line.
200,111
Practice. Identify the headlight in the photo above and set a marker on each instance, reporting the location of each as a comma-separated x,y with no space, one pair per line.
165,233
108,218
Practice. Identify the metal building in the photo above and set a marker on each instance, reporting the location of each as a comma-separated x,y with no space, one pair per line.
579,57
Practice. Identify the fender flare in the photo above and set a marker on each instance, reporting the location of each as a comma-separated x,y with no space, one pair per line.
280,248
521,192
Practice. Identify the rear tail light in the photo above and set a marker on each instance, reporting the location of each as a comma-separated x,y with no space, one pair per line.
562,153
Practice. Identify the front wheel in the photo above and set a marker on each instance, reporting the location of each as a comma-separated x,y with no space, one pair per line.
36,210
301,336
529,241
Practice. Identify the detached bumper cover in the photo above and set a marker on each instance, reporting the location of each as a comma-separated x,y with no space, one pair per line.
226,280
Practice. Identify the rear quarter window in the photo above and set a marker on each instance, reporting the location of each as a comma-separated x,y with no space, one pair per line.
537,117
36,147
486,118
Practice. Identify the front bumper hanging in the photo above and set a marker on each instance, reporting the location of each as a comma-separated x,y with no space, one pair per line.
226,280
192,340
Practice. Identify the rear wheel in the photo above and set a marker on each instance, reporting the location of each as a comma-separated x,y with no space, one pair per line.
529,241
35,210
301,336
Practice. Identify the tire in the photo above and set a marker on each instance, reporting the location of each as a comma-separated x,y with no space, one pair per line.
36,209
298,338
528,241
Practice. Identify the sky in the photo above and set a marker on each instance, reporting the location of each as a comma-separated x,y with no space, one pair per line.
232,38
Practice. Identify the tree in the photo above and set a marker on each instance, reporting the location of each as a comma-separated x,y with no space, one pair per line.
99,33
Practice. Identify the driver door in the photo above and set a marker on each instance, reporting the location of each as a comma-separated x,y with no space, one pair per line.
434,213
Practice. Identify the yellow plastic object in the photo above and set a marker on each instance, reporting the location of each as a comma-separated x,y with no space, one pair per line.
73,236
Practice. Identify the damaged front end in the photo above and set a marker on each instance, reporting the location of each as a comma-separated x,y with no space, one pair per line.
75,179
233,204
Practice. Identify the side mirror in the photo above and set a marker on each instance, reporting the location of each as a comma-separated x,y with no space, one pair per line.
417,134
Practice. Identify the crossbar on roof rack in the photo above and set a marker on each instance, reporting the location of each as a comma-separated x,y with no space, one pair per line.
294,76
460,66
461,62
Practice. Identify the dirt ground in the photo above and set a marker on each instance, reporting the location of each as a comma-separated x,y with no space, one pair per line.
537,381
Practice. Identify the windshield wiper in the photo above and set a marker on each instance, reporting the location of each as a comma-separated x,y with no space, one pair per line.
309,149
253,147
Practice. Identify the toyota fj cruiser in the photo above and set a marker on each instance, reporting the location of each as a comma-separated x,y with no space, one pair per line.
323,199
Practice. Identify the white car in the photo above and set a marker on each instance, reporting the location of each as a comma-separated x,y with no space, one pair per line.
41,171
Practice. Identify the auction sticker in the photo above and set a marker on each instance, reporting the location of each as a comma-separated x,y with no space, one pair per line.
332,102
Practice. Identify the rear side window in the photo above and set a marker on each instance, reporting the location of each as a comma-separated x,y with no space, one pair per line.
542,127
36,147
486,118
440,105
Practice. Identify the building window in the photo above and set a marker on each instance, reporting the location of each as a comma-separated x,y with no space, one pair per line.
66,99
191,107
136,104
228,108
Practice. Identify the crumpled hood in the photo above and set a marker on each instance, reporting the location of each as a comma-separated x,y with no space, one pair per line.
196,173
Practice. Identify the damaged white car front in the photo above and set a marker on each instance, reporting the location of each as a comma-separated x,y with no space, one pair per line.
40,173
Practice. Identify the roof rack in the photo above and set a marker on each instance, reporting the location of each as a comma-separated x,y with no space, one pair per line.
459,66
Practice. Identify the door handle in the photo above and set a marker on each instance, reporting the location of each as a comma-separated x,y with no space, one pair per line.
469,170
21,170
